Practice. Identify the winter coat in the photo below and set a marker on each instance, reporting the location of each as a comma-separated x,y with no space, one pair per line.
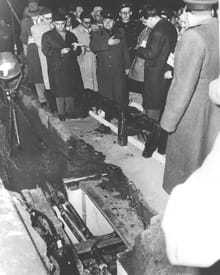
6,41
37,32
131,30
111,64
161,42
64,72
189,113
87,59
33,60
137,68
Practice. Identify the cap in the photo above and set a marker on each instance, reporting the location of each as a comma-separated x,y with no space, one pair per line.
108,14
31,1
125,5
45,11
9,66
200,4
59,17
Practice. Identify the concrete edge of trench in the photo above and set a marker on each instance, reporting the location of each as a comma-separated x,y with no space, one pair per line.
153,236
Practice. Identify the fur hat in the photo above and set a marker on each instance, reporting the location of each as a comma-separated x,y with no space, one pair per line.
108,14
59,17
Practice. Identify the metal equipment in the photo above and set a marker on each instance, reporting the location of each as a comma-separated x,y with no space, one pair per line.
10,78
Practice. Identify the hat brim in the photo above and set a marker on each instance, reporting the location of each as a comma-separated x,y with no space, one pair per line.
200,4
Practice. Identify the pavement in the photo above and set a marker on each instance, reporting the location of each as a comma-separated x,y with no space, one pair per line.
146,174
17,251
21,257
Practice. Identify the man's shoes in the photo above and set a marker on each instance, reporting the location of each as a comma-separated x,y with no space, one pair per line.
103,129
152,141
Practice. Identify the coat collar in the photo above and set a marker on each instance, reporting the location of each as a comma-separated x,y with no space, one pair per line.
58,36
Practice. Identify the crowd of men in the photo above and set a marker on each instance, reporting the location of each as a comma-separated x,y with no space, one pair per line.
169,57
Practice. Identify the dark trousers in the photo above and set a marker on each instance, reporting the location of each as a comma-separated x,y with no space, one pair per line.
65,105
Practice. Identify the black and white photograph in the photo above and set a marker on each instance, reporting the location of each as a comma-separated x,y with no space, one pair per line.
109,137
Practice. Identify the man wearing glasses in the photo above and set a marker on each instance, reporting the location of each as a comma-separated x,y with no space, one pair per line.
87,59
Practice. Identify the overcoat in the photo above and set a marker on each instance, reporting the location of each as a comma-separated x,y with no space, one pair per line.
137,68
87,59
161,42
33,60
37,32
111,64
132,30
6,41
63,70
189,113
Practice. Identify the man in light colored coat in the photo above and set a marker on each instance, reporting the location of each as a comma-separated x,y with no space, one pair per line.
87,59
189,115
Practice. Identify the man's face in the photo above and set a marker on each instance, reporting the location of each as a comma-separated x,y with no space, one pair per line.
148,22
47,18
78,11
183,18
86,22
125,14
97,10
108,23
33,6
59,25
97,13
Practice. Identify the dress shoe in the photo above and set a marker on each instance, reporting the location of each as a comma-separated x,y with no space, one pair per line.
152,142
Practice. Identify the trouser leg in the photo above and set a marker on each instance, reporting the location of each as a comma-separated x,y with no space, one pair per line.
60,105
51,100
69,106
40,92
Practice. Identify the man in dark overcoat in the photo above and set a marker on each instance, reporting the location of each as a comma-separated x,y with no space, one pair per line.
160,44
131,27
61,49
113,61
189,115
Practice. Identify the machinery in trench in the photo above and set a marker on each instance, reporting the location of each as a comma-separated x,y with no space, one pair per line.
95,255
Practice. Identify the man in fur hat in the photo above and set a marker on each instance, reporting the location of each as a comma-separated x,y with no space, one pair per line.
189,116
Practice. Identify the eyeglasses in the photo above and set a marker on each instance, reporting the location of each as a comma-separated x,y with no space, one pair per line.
125,12
48,18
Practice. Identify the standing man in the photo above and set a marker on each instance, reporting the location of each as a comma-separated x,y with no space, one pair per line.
189,115
61,49
130,26
44,25
87,59
161,42
113,62
6,41
75,13
31,17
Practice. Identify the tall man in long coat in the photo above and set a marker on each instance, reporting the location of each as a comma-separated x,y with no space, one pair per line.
161,42
189,115
61,50
113,61
31,17
87,59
